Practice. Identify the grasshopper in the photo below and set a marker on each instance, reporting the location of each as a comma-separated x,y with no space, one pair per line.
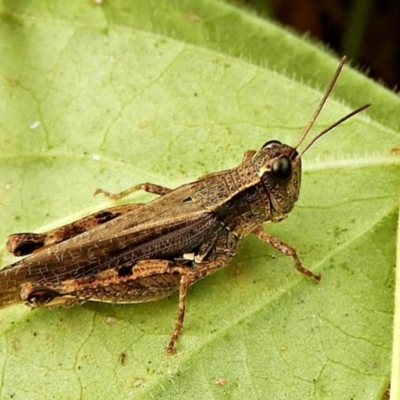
143,252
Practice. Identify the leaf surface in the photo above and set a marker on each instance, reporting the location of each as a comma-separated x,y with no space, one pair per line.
128,91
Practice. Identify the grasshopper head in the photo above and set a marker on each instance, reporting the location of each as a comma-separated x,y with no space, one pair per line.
279,168
279,165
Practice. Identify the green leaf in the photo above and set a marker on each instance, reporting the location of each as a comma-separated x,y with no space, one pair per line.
129,91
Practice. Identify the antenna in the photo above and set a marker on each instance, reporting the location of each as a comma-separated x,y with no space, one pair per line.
338,122
319,108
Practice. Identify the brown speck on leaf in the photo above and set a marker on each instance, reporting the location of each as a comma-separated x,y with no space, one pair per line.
138,383
16,345
386,394
122,357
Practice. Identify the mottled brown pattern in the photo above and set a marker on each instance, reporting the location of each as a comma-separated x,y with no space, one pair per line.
144,252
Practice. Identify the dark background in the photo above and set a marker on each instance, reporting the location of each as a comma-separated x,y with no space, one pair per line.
367,31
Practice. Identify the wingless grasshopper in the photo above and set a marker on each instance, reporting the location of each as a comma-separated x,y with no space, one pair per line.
143,252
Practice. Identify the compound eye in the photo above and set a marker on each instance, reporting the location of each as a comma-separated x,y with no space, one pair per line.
270,142
282,167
